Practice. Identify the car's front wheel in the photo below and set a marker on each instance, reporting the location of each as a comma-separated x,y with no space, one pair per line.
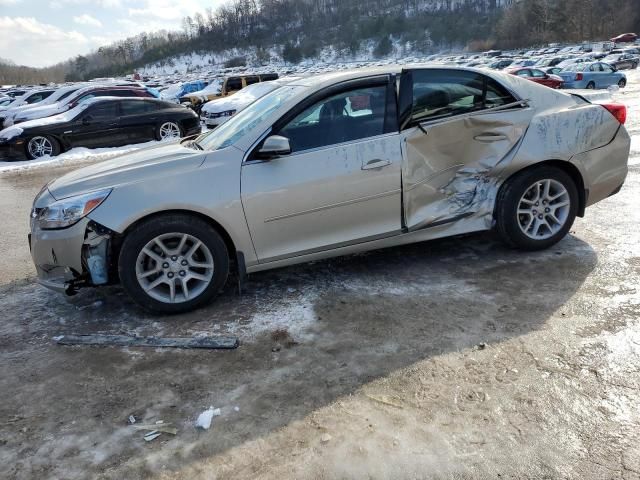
173,263
622,83
591,86
536,208
41,146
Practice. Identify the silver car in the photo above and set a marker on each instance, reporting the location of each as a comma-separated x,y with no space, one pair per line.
332,165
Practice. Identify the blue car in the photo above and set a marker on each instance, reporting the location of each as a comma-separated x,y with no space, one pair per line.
592,75
175,92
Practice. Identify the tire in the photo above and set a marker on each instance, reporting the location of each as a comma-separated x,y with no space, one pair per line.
164,126
591,86
622,83
139,271
526,231
39,146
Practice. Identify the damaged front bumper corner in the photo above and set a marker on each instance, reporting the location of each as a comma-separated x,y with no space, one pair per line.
71,257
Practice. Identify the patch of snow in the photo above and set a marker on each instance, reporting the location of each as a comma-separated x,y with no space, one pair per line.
205,418
75,156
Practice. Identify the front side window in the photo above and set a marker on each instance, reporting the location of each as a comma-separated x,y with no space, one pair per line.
343,117
523,73
102,112
445,93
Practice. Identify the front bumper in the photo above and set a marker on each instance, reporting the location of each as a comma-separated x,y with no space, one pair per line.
57,254
12,150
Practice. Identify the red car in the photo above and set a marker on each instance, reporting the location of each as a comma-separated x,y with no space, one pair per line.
625,38
538,76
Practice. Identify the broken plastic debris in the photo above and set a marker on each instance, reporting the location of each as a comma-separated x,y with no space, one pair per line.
132,419
159,422
236,409
325,438
151,436
58,338
164,427
205,418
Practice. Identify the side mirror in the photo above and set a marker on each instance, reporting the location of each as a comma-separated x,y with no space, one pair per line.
274,146
87,120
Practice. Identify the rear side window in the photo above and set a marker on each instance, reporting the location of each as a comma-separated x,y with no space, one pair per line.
234,84
135,108
252,79
446,93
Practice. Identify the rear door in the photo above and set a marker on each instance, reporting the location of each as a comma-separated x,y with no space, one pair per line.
138,121
457,127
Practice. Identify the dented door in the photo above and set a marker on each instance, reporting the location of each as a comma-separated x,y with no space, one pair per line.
450,162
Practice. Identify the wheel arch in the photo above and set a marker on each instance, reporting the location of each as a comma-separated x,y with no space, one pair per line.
228,241
569,168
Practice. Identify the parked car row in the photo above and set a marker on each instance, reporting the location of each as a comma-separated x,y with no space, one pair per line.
218,95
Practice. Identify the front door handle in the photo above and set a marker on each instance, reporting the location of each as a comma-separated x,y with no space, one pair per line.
490,137
376,163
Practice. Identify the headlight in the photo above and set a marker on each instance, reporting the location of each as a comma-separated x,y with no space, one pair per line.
69,211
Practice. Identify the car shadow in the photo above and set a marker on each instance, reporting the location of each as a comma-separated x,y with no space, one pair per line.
310,335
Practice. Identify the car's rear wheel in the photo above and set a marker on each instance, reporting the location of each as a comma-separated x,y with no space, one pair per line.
591,86
173,263
168,131
536,208
622,83
41,146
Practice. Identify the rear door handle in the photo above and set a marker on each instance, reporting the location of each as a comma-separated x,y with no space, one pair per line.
490,137
376,163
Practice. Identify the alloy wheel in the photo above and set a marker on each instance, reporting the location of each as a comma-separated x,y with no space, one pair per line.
169,131
544,209
174,267
40,147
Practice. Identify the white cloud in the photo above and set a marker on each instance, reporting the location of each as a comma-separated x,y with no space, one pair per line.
24,39
86,19
6,3
166,9
99,3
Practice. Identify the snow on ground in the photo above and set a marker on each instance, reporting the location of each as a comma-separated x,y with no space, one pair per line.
75,156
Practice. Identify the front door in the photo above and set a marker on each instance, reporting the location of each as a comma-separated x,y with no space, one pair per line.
97,126
457,128
341,183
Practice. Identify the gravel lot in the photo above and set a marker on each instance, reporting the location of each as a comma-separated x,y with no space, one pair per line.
449,359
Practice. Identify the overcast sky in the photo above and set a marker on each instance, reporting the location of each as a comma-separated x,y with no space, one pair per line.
40,33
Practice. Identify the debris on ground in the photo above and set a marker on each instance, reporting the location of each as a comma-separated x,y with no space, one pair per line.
325,438
157,342
132,419
385,400
205,418
282,338
163,427
152,436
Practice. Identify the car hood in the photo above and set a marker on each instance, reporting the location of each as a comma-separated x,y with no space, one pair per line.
43,111
157,161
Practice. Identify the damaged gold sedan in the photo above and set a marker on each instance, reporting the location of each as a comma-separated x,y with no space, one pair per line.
332,165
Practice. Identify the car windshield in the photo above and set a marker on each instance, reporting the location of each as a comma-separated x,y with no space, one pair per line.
230,132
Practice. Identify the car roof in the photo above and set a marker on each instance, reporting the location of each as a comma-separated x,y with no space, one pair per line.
321,80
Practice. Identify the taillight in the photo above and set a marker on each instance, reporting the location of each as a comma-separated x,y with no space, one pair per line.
617,110
579,77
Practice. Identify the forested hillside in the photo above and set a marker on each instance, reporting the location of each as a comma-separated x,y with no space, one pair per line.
298,29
